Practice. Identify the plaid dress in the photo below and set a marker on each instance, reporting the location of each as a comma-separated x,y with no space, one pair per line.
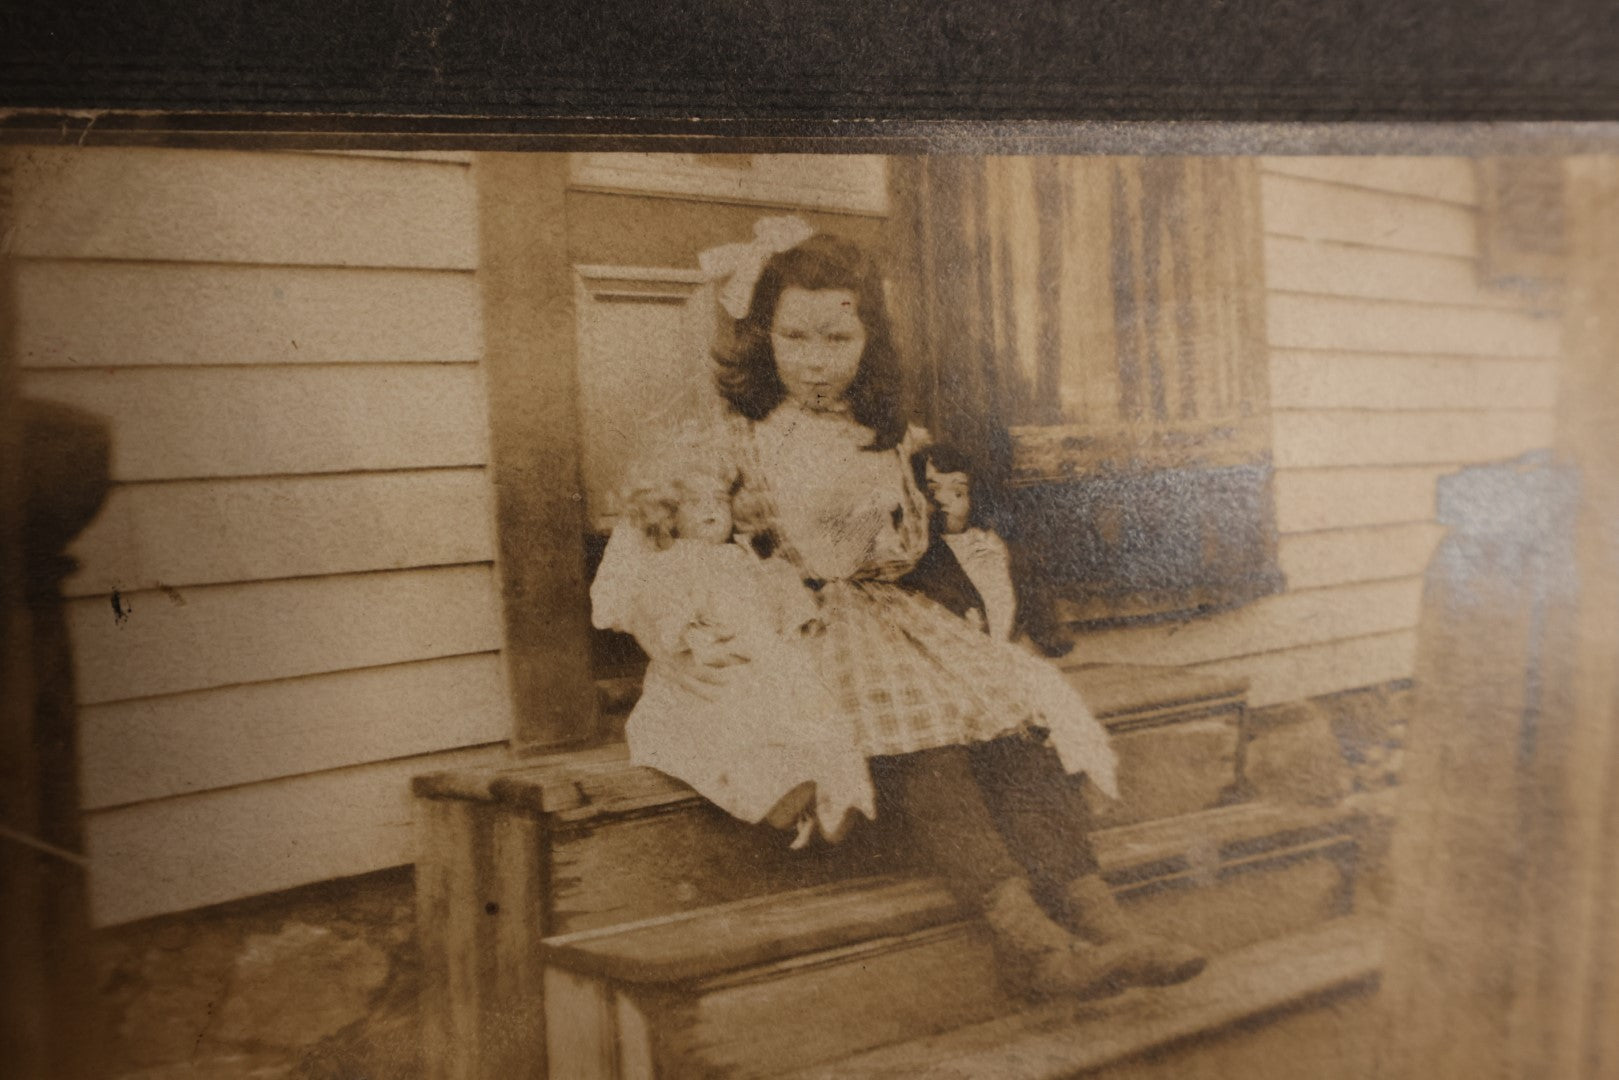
906,672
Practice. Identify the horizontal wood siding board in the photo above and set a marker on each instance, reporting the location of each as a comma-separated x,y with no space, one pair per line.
73,313
202,532
1348,380
1336,498
193,850
219,635
1278,622
1452,180
1305,671
1298,321
1319,438
1314,210
1326,266
1344,556
204,422
227,206
184,743
451,157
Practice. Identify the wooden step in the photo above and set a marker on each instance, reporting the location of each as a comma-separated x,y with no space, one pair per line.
717,940
1176,733
571,841
756,986
1263,984
624,842
759,987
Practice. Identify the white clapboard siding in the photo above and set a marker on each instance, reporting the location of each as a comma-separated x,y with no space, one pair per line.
1307,321
1315,210
1277,622
287,606
1339,498
1343,556
1391,365
218,635
1447,179
1347,380
1307,671
189,532
193,850
172,423
244,207
76,314
1316,438
1339,269
182,743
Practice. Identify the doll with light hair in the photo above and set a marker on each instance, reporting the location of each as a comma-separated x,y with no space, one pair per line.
705,587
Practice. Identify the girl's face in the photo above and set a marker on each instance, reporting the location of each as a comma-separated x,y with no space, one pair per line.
704,513
951,493
818,340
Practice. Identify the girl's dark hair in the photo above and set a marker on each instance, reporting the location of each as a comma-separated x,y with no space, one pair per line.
747,376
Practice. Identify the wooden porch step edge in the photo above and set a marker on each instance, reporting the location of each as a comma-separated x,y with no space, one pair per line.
1123,696
1070,1039
749,933
711,941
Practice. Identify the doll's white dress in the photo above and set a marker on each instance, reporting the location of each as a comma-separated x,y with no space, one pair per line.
770,725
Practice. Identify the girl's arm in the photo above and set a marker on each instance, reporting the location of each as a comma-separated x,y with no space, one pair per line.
618,593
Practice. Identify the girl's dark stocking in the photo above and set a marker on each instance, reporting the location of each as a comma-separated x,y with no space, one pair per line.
1040,810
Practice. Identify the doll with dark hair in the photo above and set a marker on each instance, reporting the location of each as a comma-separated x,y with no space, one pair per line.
969,567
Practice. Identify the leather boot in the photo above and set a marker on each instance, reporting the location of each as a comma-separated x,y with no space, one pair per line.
1039,959
1092,912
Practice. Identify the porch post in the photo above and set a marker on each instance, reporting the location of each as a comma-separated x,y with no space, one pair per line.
531,356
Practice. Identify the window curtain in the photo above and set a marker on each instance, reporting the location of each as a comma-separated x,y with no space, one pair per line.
1090,332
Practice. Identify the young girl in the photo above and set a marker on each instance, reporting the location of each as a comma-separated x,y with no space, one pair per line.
811,381
763,743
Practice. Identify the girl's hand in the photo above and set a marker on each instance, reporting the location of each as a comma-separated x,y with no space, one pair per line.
691,676
714,646
718,655
704,683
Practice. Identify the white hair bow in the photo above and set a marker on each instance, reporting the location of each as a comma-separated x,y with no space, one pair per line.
738,266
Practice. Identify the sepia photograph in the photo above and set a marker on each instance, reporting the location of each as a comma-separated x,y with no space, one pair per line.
606,615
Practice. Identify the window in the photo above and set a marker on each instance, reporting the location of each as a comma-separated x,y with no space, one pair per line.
1092,331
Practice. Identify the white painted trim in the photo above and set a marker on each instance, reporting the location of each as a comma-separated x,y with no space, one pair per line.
652,283
855,184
